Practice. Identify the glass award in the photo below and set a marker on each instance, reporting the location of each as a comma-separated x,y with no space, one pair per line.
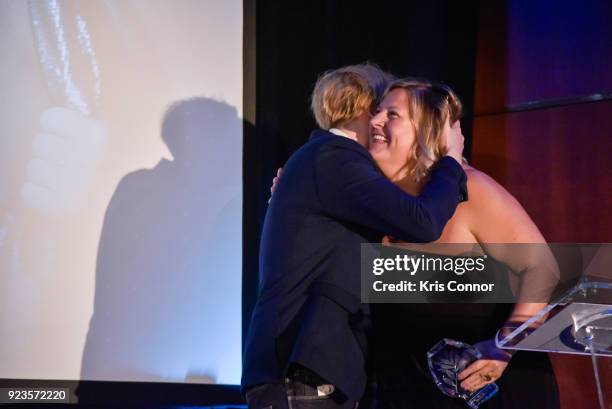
446,360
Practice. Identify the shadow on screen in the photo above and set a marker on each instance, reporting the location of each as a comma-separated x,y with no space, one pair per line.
168,273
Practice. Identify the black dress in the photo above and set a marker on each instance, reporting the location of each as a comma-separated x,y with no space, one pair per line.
403,333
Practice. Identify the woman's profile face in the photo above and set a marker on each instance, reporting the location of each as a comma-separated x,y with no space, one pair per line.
392,134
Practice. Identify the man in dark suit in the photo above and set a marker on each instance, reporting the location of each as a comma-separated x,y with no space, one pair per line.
306,344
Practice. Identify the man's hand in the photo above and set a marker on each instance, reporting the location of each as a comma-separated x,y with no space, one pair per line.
486,370
454,140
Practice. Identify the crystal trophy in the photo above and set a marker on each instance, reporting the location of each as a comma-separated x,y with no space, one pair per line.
446,360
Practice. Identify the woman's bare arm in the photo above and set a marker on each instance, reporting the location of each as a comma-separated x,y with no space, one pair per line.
507,233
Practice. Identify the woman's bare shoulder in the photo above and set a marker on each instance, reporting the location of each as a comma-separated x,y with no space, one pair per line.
483,189
494,215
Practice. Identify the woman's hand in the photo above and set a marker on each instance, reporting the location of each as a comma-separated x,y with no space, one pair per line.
387,240
486,370
275,181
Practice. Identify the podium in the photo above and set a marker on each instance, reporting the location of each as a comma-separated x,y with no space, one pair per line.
579,322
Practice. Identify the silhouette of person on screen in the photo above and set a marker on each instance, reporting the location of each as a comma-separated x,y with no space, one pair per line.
166,261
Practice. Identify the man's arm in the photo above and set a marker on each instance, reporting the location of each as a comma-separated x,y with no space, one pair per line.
351,188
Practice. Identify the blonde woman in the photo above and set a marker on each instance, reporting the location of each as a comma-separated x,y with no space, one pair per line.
407,138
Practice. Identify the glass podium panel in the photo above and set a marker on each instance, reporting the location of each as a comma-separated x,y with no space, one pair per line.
579,322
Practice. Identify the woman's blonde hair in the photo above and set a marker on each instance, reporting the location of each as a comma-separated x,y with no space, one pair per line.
341,95
429,106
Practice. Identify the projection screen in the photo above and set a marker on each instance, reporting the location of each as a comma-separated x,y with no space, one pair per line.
121,190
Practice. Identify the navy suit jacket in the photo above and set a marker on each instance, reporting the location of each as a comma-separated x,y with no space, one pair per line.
330,199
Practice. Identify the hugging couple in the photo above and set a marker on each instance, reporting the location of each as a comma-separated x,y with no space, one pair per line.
386,161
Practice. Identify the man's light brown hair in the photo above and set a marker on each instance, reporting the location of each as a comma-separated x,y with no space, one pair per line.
344,94
429,106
